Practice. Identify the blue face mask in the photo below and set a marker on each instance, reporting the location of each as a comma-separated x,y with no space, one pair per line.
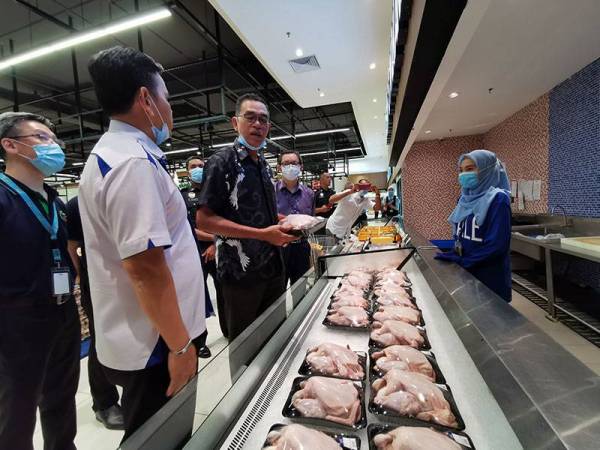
291,172
242,141
196,174
49,159
468,180
160,134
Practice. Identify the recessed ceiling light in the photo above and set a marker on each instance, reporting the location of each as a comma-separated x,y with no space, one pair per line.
427,131
372,66
321,94
453,95
299,52
374,100
375,117
168,144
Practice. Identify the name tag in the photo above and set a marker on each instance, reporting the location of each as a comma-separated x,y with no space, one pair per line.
61,281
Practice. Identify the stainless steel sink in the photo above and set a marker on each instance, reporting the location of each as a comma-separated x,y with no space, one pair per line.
524,241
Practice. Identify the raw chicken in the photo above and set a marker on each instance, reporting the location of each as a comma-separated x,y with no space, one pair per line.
403,357
298,437
414,438
335,360
392,275
358,281
349,300
349,316
330,399
389,289
396,299
347,288
403,313
396,332
412,394
302,221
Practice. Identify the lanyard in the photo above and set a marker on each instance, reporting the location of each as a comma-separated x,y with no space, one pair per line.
52,229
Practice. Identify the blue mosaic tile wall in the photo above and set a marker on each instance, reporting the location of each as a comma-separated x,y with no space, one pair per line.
574,153
574,158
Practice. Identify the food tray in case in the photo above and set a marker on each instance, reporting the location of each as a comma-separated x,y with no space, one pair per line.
291,412
392,416
459,437
375,373
421,323
367,327
306,370
426,345
346,441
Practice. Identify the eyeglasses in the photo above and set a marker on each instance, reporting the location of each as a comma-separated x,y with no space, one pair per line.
43,137
252,118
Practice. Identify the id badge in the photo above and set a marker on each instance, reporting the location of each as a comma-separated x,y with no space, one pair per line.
61,281
458,247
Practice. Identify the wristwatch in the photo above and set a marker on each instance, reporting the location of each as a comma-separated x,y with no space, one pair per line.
184,349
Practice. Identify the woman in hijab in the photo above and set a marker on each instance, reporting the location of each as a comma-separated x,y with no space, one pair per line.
481,221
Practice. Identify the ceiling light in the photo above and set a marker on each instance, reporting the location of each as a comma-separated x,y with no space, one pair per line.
87,36
299,52
316,133
374,100
78,163
183,150
168,144
375,117
427,131
372,66
453,95
324,152
321,94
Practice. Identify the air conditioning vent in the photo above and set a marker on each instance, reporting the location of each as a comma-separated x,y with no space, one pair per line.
305,64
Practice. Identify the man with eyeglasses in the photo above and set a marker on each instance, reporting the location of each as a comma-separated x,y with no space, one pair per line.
294,198
237,203
39,324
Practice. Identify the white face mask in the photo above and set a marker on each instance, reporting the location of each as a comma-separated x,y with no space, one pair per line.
290,172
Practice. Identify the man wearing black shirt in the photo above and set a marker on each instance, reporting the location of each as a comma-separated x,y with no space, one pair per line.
323,205
237,203
206,247
39,325
105,398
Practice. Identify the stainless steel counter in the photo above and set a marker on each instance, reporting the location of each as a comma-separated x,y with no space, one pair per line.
550,398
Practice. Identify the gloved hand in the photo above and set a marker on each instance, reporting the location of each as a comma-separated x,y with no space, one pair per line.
448,256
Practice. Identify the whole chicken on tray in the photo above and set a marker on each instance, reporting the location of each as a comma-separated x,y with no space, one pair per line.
413,395
403,357
414,438
299,437
349,300
330,399
396,300
335,360
349,316
403,313
396,332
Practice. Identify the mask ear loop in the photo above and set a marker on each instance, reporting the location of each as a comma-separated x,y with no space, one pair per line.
157,110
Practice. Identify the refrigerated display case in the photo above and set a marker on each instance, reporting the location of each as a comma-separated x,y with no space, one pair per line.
513,386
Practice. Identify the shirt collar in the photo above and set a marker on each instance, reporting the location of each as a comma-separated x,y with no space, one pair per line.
118,126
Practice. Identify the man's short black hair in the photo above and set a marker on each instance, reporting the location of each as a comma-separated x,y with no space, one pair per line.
289,152
363,179
191,158
250,96
9,123
118,73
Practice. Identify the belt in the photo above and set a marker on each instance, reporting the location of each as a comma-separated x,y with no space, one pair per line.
19,302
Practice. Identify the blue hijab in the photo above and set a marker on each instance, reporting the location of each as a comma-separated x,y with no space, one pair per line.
492,180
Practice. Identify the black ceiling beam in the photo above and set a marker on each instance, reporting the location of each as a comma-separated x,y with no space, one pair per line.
437,27
49,17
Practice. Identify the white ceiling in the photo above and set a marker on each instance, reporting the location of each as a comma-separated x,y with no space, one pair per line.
346,36
521,49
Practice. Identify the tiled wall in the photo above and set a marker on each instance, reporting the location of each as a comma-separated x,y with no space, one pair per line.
430,185
575,143
521,142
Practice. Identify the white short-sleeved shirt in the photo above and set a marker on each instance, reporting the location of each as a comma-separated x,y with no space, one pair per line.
346,213
128,204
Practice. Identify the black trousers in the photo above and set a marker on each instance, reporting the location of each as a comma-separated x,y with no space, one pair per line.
210,268
39,368
296,257
104,393
144,393
247,299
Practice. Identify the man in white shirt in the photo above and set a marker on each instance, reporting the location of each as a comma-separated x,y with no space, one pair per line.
353,203
146,283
